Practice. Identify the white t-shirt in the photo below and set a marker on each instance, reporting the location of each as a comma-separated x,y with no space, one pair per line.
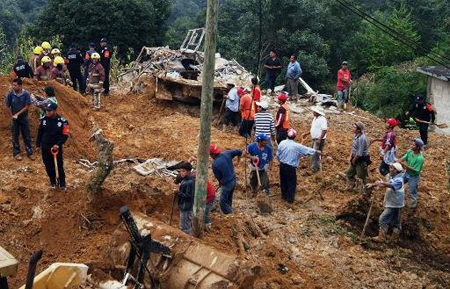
319,124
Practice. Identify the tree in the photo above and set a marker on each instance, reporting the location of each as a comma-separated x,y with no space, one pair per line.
130,23
379,49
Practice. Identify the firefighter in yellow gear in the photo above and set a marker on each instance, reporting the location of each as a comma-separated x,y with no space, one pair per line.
43,71
35,59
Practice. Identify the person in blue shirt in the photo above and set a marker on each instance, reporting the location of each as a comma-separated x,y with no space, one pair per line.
223,170
288,155
18,102
394,201
259,152
293,73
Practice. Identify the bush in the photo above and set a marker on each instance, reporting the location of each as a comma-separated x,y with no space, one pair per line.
389,91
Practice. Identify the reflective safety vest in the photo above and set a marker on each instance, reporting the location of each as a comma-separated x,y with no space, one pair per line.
287,117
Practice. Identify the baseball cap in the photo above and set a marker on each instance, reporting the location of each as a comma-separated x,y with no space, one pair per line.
398,167
261,137
263,104
214,150
103,40
292,133
51,106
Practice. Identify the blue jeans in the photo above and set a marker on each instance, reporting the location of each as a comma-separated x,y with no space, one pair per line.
390,216
226,197
208,210
342,96
413,185
186,222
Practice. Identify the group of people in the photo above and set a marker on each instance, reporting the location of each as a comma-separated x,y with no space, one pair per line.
47,64
53,130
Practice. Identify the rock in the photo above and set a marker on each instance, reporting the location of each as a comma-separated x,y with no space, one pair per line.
297,280
37,212
308,246
292,240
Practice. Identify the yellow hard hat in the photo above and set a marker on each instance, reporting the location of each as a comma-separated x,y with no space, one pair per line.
45,45
56,51
37,50
95,55
58,60
45,59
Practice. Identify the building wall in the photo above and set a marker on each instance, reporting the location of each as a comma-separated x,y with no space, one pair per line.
439,95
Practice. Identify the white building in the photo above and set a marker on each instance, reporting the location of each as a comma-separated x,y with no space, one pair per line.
438,91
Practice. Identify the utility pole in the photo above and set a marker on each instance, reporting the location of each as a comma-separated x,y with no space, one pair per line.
204,138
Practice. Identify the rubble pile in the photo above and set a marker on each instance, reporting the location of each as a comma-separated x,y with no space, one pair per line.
182,67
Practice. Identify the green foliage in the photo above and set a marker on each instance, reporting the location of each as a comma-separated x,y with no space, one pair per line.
131,23
177,31
378,49
387,93
6,55
118,66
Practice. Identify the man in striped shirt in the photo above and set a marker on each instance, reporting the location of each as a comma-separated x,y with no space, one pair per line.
264,123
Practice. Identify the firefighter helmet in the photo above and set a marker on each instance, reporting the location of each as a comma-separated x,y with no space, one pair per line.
46,46
95,55
58,60
37,50
45,60
56,51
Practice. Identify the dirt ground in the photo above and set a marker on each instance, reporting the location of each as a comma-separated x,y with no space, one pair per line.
314,244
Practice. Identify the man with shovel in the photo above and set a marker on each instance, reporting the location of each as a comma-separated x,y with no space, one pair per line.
53,132
424,116
260,155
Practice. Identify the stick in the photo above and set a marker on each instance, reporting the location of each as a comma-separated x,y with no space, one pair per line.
256,163
367,218
171,210
220,111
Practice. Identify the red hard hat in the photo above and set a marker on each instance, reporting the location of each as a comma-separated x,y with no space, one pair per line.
282,97
392,121
213,150
241,91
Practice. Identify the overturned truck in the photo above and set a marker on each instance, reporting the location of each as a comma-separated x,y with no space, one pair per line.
177,74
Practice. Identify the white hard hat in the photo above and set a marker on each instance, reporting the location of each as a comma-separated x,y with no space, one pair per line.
318,110
263,104
398,166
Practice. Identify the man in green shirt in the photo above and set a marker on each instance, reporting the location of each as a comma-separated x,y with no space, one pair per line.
413,162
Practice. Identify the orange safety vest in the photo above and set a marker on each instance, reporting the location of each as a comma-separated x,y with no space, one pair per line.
287,117
247,113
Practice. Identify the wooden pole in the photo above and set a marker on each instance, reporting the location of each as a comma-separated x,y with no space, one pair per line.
204,138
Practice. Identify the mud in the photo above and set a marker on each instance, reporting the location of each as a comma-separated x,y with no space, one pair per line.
303,247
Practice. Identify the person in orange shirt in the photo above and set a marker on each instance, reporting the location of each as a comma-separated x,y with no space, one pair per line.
256,90
283,119
247,107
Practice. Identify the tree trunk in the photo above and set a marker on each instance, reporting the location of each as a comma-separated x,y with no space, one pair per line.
105,164
205,118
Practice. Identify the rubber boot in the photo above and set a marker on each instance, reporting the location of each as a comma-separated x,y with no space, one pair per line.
381,237
395,237
351,184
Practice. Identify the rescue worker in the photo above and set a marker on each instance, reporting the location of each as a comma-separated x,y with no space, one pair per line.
58,70
105,61
388,149
289,153
43,71
394,201
46,49
96,79
223,170
22,68
248,109
55,53
283,118
18,102
53,132
87,62
74,63
260,155
35,59
359,158
423,115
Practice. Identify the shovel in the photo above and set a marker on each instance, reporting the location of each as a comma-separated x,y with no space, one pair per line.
55,153
256,163
265,206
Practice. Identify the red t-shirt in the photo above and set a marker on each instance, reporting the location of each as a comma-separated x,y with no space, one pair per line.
210,193
343,75
256,94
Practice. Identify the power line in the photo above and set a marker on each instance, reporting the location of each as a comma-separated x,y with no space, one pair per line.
399,34
394,34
